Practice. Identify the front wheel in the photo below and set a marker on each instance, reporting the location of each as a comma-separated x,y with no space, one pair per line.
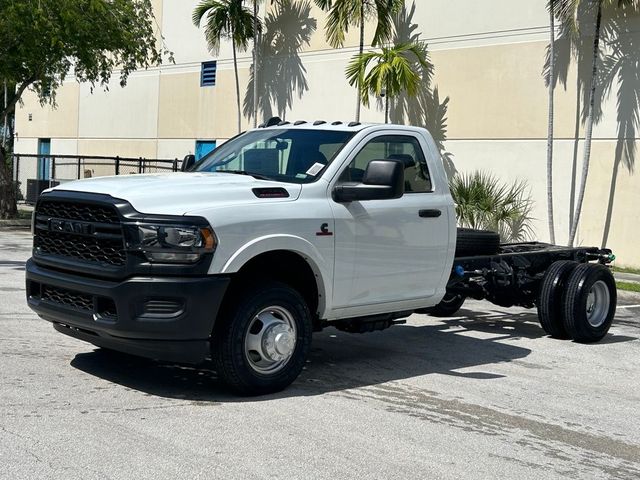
263,340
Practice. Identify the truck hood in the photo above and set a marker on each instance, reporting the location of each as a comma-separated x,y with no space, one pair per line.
180,193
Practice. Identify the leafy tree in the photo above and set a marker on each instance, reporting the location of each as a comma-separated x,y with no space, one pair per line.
227,19
346,13
43,41
392,72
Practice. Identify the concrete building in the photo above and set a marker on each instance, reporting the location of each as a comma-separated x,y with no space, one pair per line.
488,59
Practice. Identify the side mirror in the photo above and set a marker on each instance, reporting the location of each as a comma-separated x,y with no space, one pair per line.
188,162
382,180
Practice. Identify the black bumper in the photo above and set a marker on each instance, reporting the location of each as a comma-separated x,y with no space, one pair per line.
165,318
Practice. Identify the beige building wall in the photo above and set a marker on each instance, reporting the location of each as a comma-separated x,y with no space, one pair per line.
488,59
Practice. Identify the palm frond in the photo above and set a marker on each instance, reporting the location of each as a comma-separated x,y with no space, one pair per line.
484,202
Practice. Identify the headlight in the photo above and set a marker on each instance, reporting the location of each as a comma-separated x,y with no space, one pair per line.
172,243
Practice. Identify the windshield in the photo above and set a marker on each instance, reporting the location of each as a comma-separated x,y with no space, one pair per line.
289,155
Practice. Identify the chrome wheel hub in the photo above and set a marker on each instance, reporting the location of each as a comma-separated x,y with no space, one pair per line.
278,342
598,302
270,340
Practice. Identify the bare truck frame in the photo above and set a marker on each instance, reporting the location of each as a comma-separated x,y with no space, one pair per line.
563,282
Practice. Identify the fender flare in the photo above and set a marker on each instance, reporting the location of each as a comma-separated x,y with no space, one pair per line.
290,243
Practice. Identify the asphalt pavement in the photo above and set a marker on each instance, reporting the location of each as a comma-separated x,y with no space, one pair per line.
482,395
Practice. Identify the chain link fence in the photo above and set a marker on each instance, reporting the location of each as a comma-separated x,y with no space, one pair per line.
34,173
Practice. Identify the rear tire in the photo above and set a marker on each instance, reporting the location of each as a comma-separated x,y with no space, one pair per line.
550,306
589,302
263,339
448,306
470,242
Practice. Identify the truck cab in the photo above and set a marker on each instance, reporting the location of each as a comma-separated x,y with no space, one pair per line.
338,224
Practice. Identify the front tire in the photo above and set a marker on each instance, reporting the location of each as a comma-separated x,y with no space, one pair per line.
263,339
589,302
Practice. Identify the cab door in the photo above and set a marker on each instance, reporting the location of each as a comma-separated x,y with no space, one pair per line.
391,254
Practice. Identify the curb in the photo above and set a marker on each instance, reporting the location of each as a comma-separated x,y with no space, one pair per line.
15,224
629,296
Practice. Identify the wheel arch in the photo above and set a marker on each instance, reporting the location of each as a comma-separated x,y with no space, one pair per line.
293,261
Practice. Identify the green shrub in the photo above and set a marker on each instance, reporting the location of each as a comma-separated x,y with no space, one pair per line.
484,202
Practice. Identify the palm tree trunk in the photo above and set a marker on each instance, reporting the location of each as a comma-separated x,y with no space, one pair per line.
255,63
576,145
235,71
386,109
386,105
552,61
589,131
361,51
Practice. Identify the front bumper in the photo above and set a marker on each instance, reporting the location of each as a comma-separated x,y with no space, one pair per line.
165,318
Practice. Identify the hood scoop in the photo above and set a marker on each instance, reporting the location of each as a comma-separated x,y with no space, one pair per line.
270,192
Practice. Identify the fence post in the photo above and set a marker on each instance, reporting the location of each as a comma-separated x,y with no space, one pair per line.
140,165
79,167
118,165
175,165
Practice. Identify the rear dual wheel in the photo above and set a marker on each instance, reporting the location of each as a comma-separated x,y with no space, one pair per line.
577,301
589,302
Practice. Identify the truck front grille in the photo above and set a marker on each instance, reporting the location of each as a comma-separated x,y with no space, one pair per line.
79,231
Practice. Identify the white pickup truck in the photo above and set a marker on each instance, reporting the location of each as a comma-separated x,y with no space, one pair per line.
282,231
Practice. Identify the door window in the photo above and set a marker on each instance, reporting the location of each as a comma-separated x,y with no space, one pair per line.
393,147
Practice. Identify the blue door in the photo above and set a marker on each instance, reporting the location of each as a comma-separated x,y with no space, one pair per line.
44,163
203,147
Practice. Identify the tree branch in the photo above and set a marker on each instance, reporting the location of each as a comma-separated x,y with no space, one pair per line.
14,99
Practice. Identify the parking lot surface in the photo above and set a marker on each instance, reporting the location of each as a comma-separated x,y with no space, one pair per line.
482,395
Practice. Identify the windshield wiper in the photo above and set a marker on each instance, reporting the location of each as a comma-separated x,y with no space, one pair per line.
243,172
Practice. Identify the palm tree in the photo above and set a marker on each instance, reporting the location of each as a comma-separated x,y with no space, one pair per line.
551,86
226,19
568,9
392,72
346,13
484,202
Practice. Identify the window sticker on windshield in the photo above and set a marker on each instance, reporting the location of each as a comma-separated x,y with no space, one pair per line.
315,169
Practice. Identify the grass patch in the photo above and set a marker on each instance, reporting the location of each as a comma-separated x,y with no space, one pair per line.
24,215
627,270
628,286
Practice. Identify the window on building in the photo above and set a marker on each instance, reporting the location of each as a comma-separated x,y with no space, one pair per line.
208,74
204,147
44,162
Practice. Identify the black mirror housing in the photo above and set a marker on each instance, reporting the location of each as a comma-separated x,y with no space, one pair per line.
382,180
188,162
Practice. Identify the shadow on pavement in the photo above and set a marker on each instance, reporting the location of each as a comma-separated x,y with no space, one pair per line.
340,361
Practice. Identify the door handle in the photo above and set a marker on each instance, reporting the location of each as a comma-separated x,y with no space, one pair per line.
429,213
